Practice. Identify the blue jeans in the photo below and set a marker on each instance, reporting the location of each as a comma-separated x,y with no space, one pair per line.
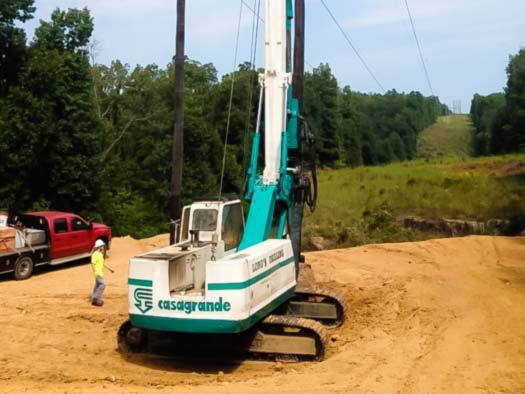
98,289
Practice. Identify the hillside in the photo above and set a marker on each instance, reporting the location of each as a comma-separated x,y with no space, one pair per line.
368,204
450,136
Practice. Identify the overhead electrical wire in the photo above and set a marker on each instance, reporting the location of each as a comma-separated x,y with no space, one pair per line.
228,121
419,48
352,46
253,11
253,58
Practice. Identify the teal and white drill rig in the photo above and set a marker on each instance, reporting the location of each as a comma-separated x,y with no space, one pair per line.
232,286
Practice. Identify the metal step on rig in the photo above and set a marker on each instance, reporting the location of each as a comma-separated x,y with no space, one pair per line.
232,286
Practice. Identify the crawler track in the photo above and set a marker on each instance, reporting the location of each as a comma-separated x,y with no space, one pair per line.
290,328
276,337
322,305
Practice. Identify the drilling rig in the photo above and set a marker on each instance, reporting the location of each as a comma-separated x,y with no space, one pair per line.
230,284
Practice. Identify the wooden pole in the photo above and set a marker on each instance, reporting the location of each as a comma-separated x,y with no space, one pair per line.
295,214
175,203
298,69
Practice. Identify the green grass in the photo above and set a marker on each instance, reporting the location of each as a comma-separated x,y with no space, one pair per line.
364,205
367,204
450,136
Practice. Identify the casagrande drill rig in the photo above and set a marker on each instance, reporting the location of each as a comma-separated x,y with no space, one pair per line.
230,285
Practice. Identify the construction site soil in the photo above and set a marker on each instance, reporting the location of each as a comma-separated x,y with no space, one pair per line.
444,315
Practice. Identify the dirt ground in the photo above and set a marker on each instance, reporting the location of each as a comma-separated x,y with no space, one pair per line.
437,316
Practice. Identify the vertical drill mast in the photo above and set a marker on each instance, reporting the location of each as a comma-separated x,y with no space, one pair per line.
276,81
271,193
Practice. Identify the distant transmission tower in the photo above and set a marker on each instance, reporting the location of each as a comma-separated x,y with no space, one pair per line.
456,106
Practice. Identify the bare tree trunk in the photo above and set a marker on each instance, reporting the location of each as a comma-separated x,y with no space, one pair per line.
175,203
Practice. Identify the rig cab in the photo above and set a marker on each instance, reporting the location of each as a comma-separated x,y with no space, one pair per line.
203,219
203,283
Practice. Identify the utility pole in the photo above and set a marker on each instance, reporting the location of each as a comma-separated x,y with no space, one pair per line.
295,214
177,156
298,70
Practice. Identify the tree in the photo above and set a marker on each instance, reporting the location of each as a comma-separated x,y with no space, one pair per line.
321,108
485,111
515,99
66,31
500,119
12,40
50,129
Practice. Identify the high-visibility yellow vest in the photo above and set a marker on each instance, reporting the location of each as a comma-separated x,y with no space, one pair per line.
97,262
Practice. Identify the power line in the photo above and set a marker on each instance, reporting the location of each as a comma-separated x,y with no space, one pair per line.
252,11
419,48
353,46
231,98
253,57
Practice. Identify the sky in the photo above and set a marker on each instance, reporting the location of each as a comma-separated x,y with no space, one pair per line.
466,43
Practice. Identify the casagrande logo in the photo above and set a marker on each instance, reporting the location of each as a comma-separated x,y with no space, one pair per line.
143,299
189,307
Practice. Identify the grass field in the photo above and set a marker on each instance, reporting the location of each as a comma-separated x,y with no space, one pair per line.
450,136
365,204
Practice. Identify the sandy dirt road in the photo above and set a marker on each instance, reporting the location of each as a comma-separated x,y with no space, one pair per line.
430,317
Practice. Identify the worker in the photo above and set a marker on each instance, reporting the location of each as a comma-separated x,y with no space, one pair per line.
97,262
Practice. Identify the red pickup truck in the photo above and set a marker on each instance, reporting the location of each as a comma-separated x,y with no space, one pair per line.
49,238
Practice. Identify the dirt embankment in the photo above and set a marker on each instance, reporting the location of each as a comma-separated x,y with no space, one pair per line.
436,316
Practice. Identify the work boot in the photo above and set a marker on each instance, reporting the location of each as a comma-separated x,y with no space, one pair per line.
97,302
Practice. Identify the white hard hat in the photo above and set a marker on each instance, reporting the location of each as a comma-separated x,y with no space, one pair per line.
99,243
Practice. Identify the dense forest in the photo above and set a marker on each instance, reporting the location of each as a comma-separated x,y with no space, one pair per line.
96,139
499,118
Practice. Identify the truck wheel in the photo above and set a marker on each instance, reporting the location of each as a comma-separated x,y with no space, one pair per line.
23,268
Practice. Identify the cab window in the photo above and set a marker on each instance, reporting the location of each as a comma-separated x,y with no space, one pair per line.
204,220
232,226
60,226
78,224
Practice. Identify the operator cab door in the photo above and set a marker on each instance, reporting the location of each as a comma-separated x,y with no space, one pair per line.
61,245
80,236
232,226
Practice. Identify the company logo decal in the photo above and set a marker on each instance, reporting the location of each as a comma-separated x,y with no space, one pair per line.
192,306
143,299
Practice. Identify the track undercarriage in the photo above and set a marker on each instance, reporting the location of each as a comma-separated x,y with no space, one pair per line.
297,330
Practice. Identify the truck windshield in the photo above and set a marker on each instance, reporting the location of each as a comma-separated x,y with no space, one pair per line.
204,220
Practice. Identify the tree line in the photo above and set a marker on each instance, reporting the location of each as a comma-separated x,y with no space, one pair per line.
499,118
96,139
